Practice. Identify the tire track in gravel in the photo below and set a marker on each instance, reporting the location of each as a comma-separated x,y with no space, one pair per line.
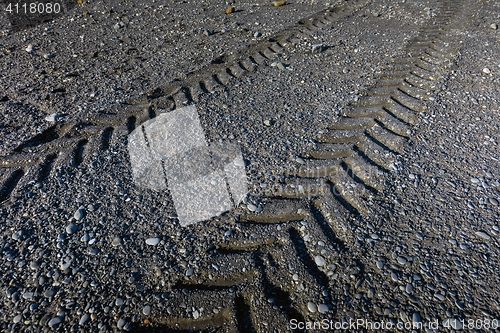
360,148
75,140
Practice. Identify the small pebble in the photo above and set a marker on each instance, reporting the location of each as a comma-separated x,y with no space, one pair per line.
319,260
486,70
153,241
52,117
17,235
483,234
311,307
323,308
251,207
494,26
54,322
29,48
71,228
121,323
116,241
380,264
84,319
17,318
493,201
146,310
79,214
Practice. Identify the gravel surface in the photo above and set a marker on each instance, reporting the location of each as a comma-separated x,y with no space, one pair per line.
85,250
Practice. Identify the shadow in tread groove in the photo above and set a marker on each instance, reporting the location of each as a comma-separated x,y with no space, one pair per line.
10,184
306,259
243,319
46,136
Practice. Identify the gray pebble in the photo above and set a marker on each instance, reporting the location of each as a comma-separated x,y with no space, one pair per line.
17,235
119,301
295,277
50,293
239,162
311,307
153,241
300,160
121,322
28,295
415,318
116,241
323,308
29,48
146,310
64,265
402,260
196,314
84,319
79,214
409,288
494,26
251,207
257,34
320,261
375,236
72,228
474,180
53,117
394,276
17,318
345,71
54,322
483,234
190,272
493,201
380,264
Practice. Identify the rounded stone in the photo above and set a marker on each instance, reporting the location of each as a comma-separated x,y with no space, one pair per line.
251,207
84,319
146,310
311,307
320,261
71,228
54,322
78,214
153,241
415,318
121,322
323,308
